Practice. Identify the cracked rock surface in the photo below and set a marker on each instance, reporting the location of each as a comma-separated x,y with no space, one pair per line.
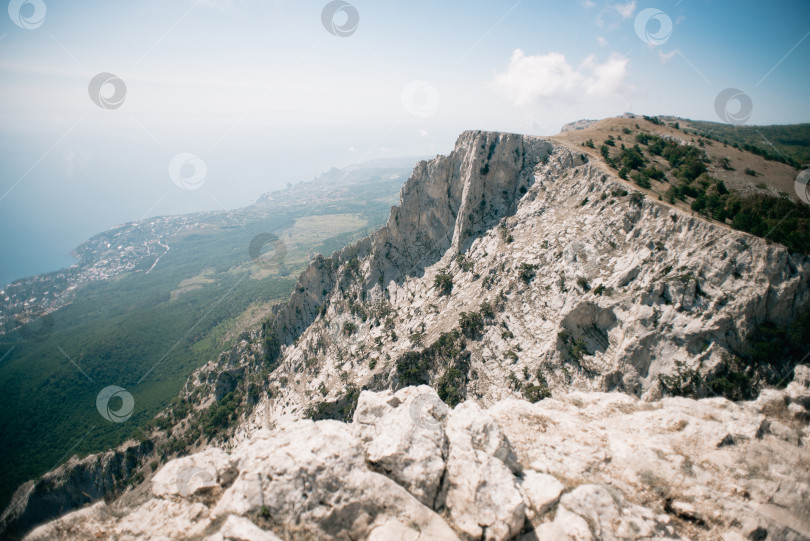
584,465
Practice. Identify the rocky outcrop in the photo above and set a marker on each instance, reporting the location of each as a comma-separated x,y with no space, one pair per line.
481,485
516,266
578,125
597,512
440,208
408,444
579,281
70,486
578,466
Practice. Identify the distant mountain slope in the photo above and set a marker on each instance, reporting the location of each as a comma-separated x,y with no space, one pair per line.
519,263
790,142
727,185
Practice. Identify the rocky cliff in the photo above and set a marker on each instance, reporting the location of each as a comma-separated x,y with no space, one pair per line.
578,466
550,270
515,268
73,484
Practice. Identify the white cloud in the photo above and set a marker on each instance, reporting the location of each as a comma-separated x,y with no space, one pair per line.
602,41
612,16
606,79
530,79
423,133
666,57
626,10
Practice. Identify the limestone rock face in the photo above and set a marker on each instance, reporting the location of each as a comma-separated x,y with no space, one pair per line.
578,466
514,267
236,527
403,436
193,474
595,512
314,479
588,285
541,492
481,491
70,486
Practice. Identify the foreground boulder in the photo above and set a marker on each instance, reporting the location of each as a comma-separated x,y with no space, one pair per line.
482,490
576,466
403,435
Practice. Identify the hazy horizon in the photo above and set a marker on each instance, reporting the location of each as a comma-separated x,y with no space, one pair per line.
264,94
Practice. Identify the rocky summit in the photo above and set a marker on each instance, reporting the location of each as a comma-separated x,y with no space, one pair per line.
532,347
581,465
537,258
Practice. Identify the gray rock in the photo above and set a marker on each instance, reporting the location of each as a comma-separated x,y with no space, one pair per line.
313,479
541,491
801,375
403,437
798,394
241,529
638,470
480,486
596,512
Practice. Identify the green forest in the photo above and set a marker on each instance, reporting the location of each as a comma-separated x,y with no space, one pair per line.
147,334
788,144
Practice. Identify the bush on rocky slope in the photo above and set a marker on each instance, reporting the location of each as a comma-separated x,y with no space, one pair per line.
421,367
779,219
271,343
341,409
767,359
444,283
471,323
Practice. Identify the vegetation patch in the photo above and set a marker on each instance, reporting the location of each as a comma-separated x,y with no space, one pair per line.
444,283
349,328
339,410
767,359
272,345
576,349
417,367
786,144
472,324
220,415
526,272
535,393
779,219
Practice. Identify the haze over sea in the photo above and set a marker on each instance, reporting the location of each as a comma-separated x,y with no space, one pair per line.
265,96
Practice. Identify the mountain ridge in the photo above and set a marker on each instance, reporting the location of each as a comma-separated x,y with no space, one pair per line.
310,290
482,238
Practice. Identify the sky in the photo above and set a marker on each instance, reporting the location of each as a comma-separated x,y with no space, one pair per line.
113,111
